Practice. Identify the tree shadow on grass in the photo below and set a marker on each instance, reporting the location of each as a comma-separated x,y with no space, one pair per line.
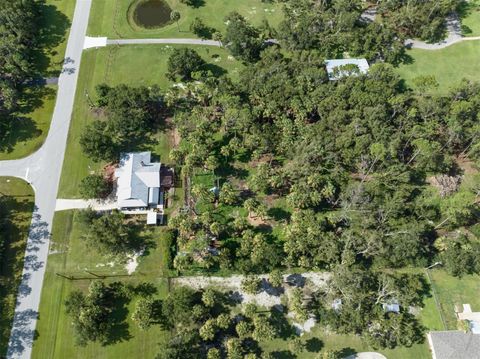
119,331
346,352
19,128
197,3
279,214
283,354
14,244
216,70
314,345
53,26
284,329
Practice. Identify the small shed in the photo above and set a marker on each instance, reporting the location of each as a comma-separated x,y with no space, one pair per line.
338,68
152,218
391,306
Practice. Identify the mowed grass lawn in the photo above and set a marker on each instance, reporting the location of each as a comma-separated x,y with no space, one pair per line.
449,65
17,200
110,17
318,340
29,131
454,291
134,65
70,257
470,15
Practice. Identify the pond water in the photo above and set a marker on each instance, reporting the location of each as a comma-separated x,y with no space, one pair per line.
152,13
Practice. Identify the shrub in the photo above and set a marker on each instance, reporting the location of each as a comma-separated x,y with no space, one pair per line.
251,285
94,186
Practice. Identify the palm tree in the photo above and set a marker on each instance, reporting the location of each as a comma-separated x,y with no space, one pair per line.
175,16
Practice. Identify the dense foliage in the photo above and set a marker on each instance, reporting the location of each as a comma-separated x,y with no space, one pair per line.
328,175
183,63
204,326
284,169
418,18
340,26
111,235
92,313
362,297
18,41
335,27
242,39
94,186
125,118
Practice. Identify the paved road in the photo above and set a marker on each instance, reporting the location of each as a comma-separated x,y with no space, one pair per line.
449,41
454,36
163,41
42,170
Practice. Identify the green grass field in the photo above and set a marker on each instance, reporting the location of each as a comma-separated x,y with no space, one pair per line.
110,17
133,65
470,15
448,65
70,257
453,291
29,133
30,130
319,340
19,208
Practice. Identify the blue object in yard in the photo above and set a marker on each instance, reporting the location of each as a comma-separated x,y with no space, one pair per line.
475,327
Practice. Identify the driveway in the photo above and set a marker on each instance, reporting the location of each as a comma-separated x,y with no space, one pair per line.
454,36
163,41
42,170
66,204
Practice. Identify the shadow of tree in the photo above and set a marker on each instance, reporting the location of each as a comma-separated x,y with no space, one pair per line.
19,128
15,212
216,70
196,3
283,354
314,345
279,214
22,334
53,26
119,330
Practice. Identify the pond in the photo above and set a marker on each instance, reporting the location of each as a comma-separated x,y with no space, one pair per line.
152,13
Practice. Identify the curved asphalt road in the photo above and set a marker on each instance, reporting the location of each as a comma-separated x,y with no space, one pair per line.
42,170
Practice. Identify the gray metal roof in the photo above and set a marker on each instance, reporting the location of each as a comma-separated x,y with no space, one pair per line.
136,174
454,345
332,65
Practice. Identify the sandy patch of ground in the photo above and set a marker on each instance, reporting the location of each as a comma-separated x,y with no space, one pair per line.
267,297
132,262
301,328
